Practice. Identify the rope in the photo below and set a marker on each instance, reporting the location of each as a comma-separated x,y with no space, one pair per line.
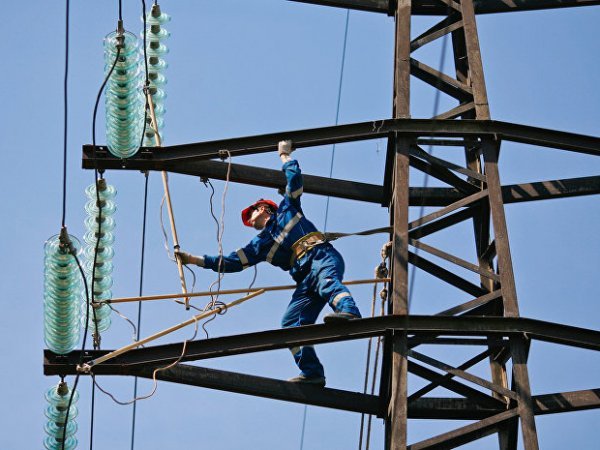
154,380
374,378
362,416
221,231
381,272
214,299
113,354
332,236
232,291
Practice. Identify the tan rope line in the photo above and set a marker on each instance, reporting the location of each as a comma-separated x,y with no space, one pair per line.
194,319
167,197
366,384
232,291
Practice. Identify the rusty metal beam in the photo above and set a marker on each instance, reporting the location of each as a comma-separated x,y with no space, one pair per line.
418,408
378,6
436,8
264,387
418,196
323,333
466,434
156,159
461,408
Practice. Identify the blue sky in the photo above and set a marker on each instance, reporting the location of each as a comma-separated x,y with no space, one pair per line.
239,68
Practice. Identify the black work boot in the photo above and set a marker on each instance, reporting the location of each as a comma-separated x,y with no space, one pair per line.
317,381
338,317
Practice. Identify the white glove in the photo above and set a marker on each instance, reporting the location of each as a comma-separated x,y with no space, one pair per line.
187,258
284,147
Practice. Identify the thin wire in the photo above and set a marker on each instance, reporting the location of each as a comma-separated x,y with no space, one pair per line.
120,10
337,111
82,352
220,231
144,215
253,279
164,230
303,428
155,381
337,115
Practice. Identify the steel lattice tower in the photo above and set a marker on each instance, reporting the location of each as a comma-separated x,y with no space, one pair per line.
489,319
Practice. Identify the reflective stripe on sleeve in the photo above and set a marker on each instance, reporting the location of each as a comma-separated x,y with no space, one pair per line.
271,253
243,258
295,350
297,193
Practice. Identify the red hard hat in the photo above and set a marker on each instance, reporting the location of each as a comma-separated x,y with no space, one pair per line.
246,213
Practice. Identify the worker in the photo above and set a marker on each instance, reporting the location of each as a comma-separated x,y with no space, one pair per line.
290,241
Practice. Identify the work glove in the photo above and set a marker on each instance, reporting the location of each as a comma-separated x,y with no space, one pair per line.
187,258
285,148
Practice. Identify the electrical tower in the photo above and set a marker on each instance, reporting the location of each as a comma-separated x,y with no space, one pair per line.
488,320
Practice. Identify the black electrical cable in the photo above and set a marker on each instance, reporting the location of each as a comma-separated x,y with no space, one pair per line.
92,413
65,129
64,193
140,291
145,210
98,202
73,252
337,111
120,10
73,389
89,301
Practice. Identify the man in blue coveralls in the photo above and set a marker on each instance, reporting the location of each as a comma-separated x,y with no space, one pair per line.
290,241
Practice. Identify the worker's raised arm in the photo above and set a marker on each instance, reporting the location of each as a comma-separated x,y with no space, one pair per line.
253,253
293,175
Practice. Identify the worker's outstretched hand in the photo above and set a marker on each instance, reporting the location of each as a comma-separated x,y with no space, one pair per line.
285,148
187,258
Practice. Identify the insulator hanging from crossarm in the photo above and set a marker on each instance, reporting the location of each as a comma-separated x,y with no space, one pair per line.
99,252
62,291
58,398
124,99
155,50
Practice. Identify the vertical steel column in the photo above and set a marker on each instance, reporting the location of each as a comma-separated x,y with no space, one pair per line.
518,346
397,413
469,69
469,64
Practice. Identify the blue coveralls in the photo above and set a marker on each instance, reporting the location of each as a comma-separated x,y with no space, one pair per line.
318,273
